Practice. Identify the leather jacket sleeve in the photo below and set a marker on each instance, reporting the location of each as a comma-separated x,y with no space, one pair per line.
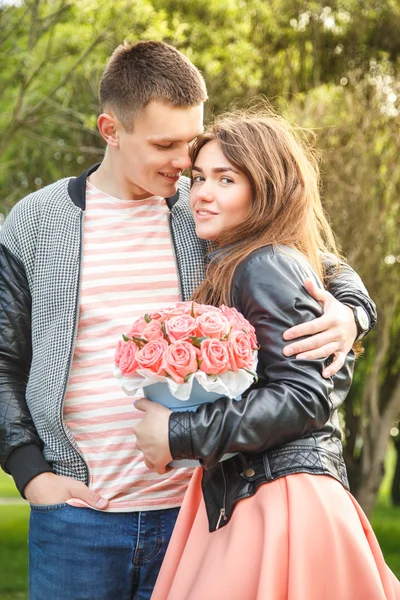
291,399
20,446
347,287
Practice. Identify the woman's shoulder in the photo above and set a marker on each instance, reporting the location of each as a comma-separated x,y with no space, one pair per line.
276,259
273,275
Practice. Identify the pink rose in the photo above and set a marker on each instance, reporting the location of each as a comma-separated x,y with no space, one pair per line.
158,316
253,338
238,322
180,328
240,352
151,355
137,328
199,309
180,359
212,324
152,331
127,357
180,308
214,357
118,352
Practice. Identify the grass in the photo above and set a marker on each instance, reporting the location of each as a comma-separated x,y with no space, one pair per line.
385,519
14,530
7,488
14,552
386,524
13,543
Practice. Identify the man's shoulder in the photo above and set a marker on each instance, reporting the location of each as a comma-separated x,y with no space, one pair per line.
57,190
38,207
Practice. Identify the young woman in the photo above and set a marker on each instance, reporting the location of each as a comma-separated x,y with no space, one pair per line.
276,521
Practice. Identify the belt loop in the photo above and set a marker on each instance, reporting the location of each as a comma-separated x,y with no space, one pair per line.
267,467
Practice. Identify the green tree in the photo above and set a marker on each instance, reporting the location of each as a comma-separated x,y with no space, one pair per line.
360,142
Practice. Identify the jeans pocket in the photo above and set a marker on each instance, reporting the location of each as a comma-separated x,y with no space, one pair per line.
42,507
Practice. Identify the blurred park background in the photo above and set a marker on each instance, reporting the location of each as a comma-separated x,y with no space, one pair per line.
330,66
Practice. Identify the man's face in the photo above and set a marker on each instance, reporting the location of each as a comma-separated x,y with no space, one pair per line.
152,157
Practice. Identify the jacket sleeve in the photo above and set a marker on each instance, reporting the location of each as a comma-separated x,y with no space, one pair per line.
291,399
347,287
20,446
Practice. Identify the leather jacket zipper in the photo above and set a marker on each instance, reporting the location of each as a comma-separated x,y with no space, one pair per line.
222,512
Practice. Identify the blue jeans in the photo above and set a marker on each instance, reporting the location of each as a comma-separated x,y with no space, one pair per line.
83,554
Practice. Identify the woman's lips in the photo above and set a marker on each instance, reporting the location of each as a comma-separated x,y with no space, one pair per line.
205,214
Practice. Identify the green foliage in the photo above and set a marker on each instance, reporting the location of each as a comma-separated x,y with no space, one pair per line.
53,53
384,500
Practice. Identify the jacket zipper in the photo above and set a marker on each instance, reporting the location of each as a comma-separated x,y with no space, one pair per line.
222,512
74,334
175,254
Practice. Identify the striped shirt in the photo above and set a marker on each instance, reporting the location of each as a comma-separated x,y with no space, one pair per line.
128,269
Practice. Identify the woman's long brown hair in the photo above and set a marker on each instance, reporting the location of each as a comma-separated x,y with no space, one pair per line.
286,208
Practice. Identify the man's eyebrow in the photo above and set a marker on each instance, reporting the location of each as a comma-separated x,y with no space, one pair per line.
216,169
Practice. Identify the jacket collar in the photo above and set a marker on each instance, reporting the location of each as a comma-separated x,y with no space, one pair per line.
77,189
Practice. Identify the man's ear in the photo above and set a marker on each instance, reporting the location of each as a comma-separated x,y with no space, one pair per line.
108,126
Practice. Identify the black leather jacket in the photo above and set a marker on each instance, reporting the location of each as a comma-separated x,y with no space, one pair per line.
288,422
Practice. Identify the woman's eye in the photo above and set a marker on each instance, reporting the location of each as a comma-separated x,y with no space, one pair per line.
197,178
164,147
226,180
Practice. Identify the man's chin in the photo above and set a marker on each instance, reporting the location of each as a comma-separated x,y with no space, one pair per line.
168,189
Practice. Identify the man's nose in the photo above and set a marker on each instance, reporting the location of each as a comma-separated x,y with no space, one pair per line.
182,161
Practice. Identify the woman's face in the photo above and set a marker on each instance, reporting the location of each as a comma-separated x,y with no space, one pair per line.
221,196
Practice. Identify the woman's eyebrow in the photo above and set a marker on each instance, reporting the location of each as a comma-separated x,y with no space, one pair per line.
215,169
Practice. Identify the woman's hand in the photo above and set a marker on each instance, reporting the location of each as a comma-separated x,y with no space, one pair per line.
333,333
152,435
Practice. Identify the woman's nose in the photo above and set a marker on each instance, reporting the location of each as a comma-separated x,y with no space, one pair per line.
206,194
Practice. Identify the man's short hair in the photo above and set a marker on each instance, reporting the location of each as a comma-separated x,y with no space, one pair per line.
137,74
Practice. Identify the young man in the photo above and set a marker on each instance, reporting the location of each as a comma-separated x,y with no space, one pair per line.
80,260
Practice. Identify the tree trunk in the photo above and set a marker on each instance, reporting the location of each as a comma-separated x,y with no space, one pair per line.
376,437
395,491
373,469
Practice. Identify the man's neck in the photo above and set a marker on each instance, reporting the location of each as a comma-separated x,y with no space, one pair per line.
108,180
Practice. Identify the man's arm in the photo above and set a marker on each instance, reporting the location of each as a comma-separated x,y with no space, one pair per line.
336,331
20,446
347,287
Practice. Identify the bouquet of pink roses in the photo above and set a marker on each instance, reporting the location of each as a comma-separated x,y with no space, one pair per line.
188,343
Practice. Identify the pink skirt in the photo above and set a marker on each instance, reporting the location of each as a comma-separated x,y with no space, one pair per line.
301,537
